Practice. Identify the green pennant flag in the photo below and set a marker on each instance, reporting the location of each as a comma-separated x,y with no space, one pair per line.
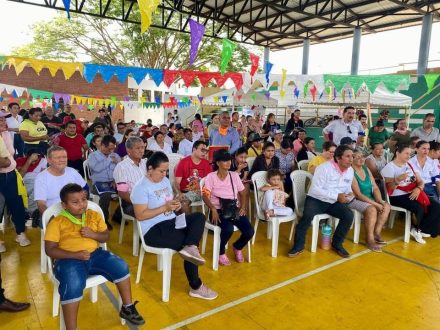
22,102
90,107
253,96
306,89
38,94
391,82
431,78
113,102
227,50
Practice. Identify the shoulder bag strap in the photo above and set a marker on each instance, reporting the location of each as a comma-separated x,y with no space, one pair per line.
232,184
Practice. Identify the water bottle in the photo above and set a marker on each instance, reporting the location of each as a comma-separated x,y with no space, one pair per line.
326,234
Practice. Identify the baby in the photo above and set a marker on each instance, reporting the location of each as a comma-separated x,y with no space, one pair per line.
274,199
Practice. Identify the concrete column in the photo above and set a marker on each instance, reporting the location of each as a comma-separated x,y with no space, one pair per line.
425,40
356,49
306,49
266,58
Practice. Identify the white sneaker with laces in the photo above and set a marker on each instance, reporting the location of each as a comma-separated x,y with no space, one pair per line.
417,236
424,234
203,293
22,240
2,247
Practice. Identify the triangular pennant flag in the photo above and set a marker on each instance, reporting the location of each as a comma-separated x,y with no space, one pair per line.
147,7
224,98
227,50
197,31
431,78
268,69
67,7
254,63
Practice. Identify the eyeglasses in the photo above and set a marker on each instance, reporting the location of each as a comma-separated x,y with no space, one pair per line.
204,150
349,130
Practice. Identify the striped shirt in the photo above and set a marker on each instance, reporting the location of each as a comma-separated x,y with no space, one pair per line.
127,172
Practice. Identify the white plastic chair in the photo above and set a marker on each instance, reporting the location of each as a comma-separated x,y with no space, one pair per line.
216,243
164,259
87,177
393,211
303,164
250,161
273,230
174,160
92,281
127,217
299,179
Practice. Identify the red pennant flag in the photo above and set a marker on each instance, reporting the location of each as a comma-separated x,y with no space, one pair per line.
188,77
313,91
254,63
237,78
169,76
205,77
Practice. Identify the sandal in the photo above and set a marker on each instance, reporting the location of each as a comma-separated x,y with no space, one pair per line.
374,247
379,240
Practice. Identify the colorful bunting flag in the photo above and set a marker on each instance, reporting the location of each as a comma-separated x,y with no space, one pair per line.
147,7
227,50
197,31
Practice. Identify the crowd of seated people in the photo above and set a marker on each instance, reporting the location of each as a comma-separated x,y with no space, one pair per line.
42,158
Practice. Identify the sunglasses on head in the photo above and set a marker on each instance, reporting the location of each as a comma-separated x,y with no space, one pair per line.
349,130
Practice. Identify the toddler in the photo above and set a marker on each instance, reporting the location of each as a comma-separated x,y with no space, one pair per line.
274,199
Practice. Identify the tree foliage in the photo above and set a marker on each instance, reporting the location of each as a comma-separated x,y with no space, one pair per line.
111,42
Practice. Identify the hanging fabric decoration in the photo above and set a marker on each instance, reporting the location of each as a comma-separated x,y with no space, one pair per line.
334,94
254,63
267,94
200,98
67,7
197,31
330,92
37,94
313,91
224,98
147,7
343,96
227,50
431,78
283,80
68,69
268,69
296,92
253,96
306,89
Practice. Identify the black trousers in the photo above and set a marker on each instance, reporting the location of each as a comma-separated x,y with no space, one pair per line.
165,235
2,291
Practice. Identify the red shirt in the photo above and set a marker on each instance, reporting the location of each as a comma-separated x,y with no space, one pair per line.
191,173
22,160
73,145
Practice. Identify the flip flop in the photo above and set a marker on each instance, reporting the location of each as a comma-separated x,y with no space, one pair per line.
374,248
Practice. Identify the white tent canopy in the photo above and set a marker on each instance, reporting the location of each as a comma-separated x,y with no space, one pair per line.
229,97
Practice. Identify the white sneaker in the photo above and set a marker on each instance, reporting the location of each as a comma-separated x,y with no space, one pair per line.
22,240
425,235
28,223
417,236
2,247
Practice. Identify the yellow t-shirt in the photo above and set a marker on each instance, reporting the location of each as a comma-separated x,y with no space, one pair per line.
35,130
316,161
64,232
251,152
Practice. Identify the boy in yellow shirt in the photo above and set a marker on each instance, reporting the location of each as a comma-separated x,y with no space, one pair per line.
72,239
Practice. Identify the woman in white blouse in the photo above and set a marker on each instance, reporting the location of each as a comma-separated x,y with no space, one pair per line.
159,144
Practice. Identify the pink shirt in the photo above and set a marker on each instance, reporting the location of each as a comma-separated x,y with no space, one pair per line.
223,189
10,146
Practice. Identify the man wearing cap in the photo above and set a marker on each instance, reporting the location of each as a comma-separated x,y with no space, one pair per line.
378,134
348,141
347,126
360,144
427,132
225,134
254,143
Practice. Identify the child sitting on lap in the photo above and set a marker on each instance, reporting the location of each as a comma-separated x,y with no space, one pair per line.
72,239
274,199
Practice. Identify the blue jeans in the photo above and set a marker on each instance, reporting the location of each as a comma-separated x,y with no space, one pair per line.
72,273
14,202
312,207
18,145
243,224
431,191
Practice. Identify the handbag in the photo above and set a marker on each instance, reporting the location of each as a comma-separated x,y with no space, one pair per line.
229,209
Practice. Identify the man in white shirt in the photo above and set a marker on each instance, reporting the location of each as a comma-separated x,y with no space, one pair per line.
119,135
129,171
164,129
330,193
345,127
427,132
186,145
13,123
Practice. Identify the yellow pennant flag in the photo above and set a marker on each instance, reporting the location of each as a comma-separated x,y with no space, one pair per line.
147,7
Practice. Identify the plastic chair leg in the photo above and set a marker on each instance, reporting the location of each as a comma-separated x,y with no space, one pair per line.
43,257
269,229
255,230
216,249
141,261
357,227
119,308
291,230
315,233
204,237
391,220
55,301
275,235
135,240
407,226
249,252
166,277
159,263
121,230
94,294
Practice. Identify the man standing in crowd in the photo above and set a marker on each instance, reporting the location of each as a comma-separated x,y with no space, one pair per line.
186,145
75,145
190,170
129,171
67,112
102,164
13,123
330,193
9,185
427,132
293,124
7,305
52,123
225,135
49,183
345,127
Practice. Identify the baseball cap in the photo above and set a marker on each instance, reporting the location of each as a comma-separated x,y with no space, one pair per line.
278,131
346,141
254,137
